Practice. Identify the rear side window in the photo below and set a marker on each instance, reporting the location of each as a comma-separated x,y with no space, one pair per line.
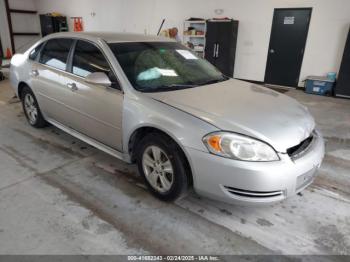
35,52
55,53
89,59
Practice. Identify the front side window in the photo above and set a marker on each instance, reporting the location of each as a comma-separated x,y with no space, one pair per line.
55,53
163,66
89,59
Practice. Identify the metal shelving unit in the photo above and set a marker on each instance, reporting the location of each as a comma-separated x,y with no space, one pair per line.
195,38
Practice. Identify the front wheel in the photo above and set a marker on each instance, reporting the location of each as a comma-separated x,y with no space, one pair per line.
31,108
161,163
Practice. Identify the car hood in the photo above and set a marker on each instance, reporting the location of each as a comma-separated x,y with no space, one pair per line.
245,108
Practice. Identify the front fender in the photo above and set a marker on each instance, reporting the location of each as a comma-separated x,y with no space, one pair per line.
187,130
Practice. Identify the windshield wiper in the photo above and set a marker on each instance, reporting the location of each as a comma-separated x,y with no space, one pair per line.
214,81
177,86
174,87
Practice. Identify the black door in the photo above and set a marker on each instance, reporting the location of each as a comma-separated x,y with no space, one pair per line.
226,47
1,54
343,84
46,23
287,44
220,46
211,41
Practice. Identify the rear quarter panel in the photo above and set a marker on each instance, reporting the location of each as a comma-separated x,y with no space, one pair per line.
20,71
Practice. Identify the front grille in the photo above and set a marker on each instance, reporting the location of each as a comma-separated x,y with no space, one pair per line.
253,194
299,150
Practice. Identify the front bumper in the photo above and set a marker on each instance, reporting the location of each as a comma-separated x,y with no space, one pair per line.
245,183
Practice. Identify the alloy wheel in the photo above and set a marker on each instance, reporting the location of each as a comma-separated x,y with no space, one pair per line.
158,169
30,108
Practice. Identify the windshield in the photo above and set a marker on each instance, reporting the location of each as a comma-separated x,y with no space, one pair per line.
163,66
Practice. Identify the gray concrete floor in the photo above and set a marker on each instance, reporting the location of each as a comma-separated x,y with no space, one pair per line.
61,196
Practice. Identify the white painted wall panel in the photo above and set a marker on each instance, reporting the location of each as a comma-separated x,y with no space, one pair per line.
4,30
328,29
20,23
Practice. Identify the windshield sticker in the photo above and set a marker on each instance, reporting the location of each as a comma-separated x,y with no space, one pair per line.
167,72
187,54
155,73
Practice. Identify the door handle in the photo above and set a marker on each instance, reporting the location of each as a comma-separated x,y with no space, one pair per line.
35,72
72,86
217,50
214,51
272,51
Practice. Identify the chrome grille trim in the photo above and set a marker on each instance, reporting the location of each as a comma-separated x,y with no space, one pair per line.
253,194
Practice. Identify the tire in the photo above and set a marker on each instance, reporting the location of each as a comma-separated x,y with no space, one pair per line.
169,150
31,109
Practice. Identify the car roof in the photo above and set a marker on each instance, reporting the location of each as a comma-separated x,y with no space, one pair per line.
112,37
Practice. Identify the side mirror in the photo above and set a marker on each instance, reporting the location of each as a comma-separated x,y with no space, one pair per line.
98,78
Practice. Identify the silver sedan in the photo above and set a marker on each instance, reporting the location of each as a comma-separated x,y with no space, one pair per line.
152,101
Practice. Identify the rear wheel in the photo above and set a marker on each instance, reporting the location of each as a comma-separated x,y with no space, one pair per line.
31,108
162,165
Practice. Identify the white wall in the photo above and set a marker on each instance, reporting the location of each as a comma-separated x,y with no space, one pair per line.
24,23
107,12
4,30
328,29
20,23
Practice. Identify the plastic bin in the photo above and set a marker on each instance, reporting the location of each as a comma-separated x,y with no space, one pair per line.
332,76
319,85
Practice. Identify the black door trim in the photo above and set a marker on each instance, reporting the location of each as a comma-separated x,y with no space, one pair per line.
1,52
307,35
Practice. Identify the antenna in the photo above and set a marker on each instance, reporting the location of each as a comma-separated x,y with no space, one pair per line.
161,26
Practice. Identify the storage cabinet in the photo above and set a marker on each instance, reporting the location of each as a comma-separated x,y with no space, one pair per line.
221,42
53,24
343,85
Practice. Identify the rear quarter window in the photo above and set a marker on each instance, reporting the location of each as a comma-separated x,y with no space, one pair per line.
33,55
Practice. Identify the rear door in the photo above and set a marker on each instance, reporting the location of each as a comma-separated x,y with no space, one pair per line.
47,78
96,110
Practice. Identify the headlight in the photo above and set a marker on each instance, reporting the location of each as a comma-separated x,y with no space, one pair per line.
239,147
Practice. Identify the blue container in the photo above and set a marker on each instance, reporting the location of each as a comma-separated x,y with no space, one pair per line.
319,85
332,76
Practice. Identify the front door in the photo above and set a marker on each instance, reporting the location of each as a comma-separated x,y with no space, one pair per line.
96,111
287,45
